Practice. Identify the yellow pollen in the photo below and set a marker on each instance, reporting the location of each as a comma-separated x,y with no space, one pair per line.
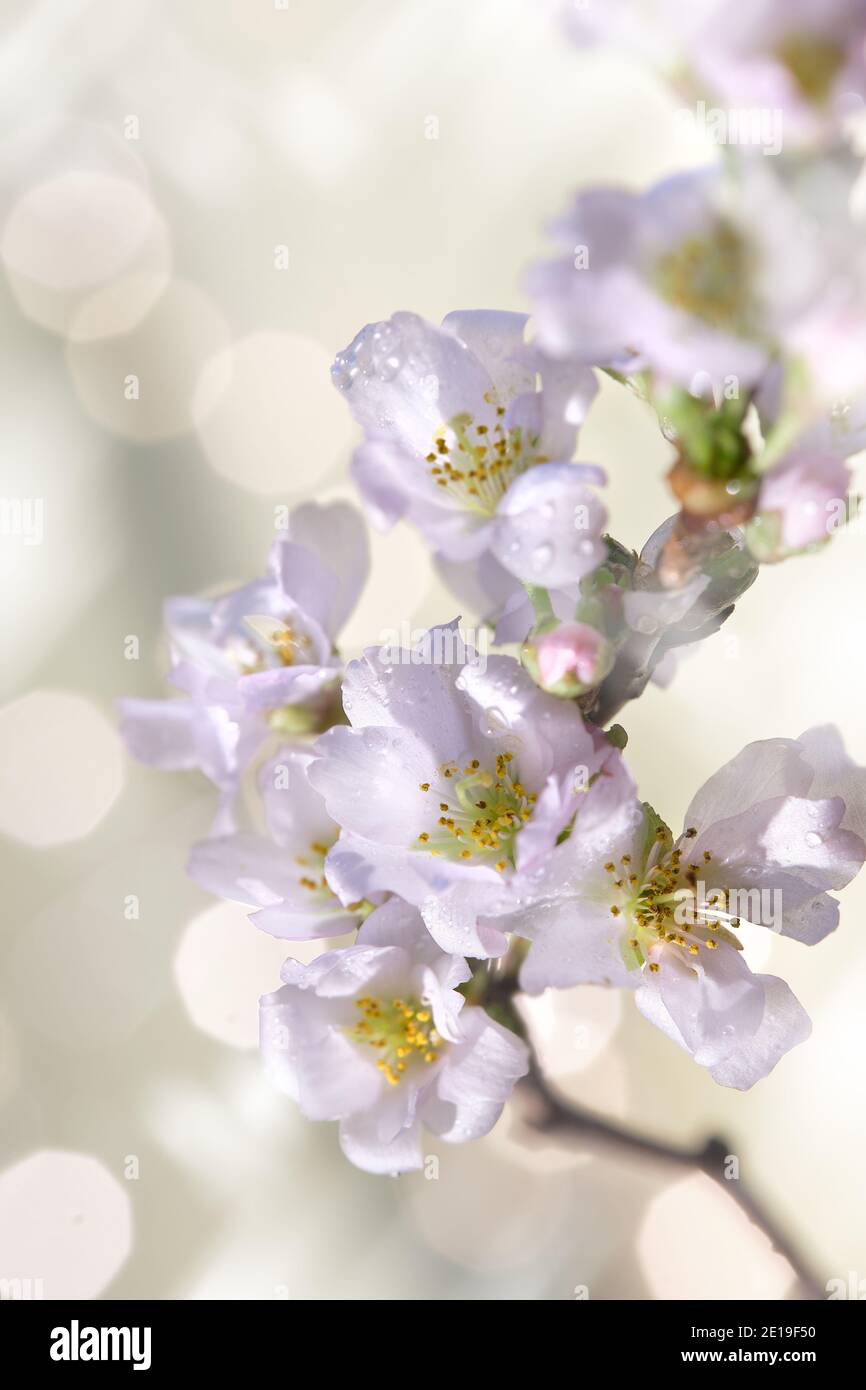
475,828
398,1030
475,464
660,905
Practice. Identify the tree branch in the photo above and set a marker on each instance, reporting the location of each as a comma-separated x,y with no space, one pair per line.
552,1114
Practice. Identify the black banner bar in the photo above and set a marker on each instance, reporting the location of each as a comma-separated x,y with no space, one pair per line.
155,1338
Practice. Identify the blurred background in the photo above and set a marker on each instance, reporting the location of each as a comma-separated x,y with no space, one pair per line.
213,196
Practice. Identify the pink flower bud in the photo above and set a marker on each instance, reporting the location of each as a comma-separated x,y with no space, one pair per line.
568,658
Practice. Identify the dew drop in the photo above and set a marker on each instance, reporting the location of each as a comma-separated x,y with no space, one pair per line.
493,722
342,374
376,740
541,558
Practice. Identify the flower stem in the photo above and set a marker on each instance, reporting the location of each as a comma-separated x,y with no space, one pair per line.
553,1114
540,600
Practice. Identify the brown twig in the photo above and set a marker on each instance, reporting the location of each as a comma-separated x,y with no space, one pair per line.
553,1114
495,988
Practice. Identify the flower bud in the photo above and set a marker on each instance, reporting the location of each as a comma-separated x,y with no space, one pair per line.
567,659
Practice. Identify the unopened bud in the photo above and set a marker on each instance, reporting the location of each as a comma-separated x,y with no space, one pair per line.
567,659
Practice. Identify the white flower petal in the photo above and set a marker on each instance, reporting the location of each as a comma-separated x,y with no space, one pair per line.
836,774
784,1025
362,1142
294,811
408,377
161,733
246,869
287,923
415,689
549,524
461,920
574,942
337,536
736,1024
769,768
793,834
478,1077
495,337
370,780
312,1061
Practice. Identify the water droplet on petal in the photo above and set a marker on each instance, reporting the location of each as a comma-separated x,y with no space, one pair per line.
342,374
376,740
541,558
493,722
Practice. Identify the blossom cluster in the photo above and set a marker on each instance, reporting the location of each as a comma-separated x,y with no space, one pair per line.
456,827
